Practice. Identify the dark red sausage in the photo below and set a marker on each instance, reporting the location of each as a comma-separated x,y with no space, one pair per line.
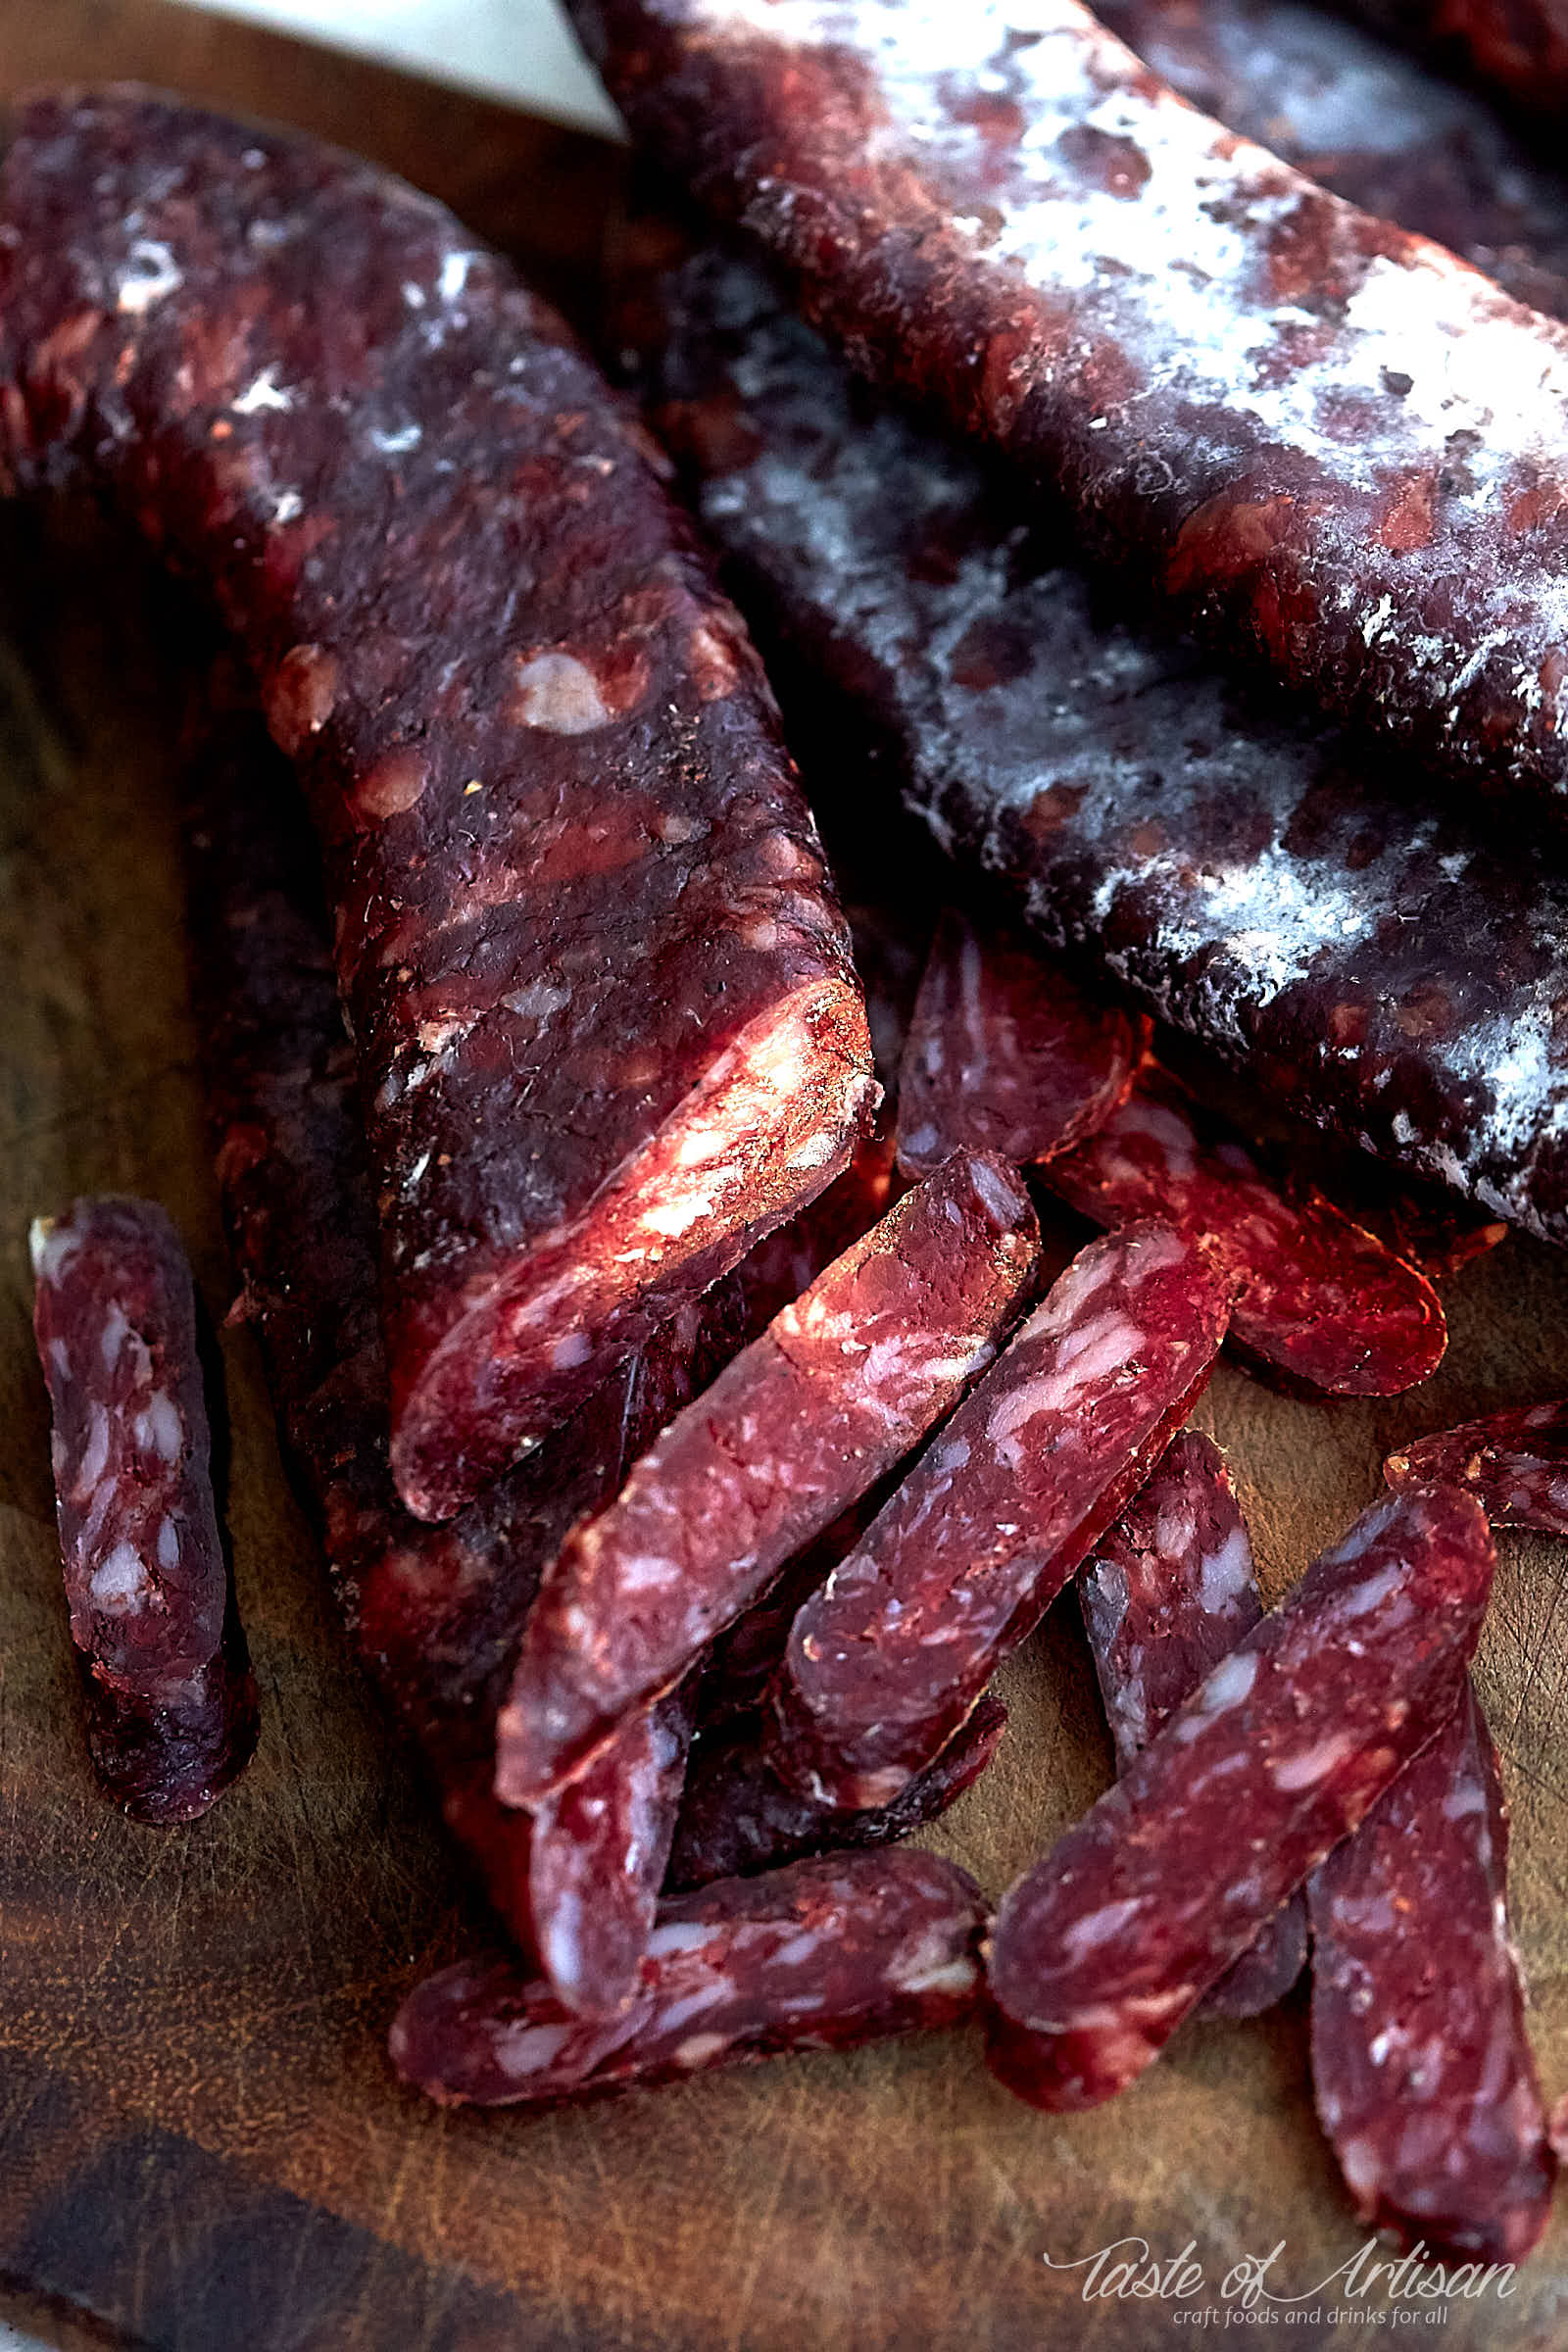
737,1817
1240,383
567,853
1112,1938
598,1854
1247,871
1006,1052
1170,1592
841,1385
1514,1463
1002,1508
171,1698
826,1955
434,1613
1421,2067
1317,1299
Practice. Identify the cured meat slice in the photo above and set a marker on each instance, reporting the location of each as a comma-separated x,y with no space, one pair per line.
841,1385
1317,1299
1277,445
1421,2067
607,1022
1103,1949
738,1818
171,1700
434,1613
887,1660
1514,1463
598,1852
1247,871
1007,1053
1521,45
825,1955
1167,1594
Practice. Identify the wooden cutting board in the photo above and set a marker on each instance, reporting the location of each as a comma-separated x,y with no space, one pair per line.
201,2144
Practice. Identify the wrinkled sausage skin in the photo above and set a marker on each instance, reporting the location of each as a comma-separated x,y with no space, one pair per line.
604,1016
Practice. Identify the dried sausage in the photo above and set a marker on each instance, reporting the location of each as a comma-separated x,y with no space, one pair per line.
1514,1463
569,857
1421,2065
827,1955
1318,1301
1006,1052
434,1612
842,1384
1170,1592
1337,448
1005,1505
1103,1949
1245,870
171,1698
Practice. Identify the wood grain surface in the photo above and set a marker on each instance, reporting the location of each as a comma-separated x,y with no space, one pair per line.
201,2145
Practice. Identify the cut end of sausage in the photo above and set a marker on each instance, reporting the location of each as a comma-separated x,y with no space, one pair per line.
773,1123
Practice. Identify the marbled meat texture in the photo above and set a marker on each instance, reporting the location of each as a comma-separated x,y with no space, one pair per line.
1520,46
1003,1508
827,1955
607,1022
737,1817
1421,2067
1514,1463
1007,1052
843,1384
1170,1592
1328,441
1362,948
1108,1942
171,1701
434,1613
598,1854
1318,1301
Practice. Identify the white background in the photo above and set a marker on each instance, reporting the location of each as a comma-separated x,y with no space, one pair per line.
519,49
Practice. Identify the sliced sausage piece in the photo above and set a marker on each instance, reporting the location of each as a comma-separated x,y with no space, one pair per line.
841,1385
1421,2067
434,1613
1002,1508
1514,1463
737,1817
826,1955
606,1020
598,1853
1170,1592
1319,1301
1245,870
997,224
171,1699
1114,1935
1006,1052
